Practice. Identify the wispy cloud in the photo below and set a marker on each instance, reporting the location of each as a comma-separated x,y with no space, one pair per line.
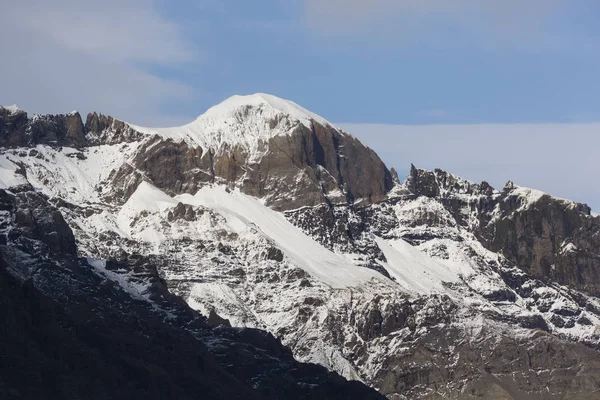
91,55
513,24
561,159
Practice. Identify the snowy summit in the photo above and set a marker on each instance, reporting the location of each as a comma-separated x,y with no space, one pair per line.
270,104
241,120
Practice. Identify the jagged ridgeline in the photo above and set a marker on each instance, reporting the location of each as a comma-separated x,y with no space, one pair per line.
261,218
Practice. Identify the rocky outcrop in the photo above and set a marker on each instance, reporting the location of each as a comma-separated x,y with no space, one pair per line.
16,129
30,222
104,129
428,355
173,166
480,367
13,127
61,130
549,238
341,228
312,167
19,130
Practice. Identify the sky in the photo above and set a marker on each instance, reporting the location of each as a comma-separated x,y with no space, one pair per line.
488,89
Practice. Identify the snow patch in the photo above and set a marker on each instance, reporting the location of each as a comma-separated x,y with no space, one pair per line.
136,290
8,177
147,197
230,107
568,247
12,109
529,196
242,213
415,270
57,173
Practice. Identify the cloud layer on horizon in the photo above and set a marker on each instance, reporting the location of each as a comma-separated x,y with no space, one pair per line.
560,159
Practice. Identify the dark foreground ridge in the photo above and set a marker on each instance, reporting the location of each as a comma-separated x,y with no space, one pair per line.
69,333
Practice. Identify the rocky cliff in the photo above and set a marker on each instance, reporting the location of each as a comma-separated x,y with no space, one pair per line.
16,129
549,238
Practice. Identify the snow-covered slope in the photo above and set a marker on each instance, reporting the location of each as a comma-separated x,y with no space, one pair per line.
240,213
415,270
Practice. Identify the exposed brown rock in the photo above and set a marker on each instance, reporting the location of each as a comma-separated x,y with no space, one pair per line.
16,129
552,239
175,167
13,128
103,129
306,168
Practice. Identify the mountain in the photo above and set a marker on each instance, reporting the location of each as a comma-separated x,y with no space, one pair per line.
263,215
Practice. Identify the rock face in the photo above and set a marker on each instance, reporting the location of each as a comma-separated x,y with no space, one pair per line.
174,167
305,168
13,126
36,222
440,360
103,129
553,239
550,238
57,130
17,129
263,216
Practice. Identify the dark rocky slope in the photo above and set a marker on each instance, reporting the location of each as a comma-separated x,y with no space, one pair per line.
69,333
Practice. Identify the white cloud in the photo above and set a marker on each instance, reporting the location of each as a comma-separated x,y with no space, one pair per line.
559,159
91,55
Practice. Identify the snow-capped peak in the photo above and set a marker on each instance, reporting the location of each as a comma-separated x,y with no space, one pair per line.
231,107
241,120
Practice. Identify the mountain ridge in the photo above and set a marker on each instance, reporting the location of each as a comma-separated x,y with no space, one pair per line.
445,268
280,155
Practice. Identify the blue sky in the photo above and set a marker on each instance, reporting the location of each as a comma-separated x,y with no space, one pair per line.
501,63
386,62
